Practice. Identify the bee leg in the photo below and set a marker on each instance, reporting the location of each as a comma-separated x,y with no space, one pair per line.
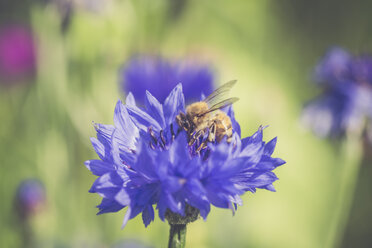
183,124
202,145
197,142
182,121
212,133
192,141
229,133
211,137
195,137
206,154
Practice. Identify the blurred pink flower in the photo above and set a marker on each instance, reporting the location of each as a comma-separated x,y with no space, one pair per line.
17,53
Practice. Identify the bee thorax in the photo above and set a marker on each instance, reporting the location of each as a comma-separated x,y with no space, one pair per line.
194,113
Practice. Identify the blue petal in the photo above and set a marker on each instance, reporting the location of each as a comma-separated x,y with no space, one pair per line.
233,167
136,210
130,99
148,215
264,179
166,201
270,146
218,199
196,197
107,185
178,152
124,123
256,138
122,197
174,104
98,167
98,147
269,187
268,163
253,152
145,162
126,217
219,154
106,192
109,206
171,184
235,124
155,109
258,181
104,132
253,146
142,120
121,153
147,194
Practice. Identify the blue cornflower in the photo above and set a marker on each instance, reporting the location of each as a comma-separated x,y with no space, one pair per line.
146,161
346,101
159,76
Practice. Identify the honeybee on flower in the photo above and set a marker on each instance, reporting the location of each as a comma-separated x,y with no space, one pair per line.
206,118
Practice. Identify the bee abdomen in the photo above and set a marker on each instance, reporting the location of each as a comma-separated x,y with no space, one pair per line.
223,128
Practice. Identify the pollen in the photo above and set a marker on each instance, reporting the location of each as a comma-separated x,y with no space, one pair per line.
182,181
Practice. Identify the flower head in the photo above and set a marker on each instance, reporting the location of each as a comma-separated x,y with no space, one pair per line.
17,53
30,197
334,68
159,76
147,161
346,102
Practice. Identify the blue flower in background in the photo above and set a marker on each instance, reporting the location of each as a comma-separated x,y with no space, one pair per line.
346,102
146,162
334,68
159,76
30,198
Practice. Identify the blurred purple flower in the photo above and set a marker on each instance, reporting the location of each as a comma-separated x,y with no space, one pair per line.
17,53
335,67
159,76
346,101
30,197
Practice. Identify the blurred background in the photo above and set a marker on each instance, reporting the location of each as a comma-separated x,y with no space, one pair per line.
60,69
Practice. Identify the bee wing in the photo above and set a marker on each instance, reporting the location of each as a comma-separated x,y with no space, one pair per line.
219,94
221,105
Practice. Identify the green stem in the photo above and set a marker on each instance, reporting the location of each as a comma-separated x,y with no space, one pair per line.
177,236
352,159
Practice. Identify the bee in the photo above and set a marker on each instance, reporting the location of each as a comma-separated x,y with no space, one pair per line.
205,119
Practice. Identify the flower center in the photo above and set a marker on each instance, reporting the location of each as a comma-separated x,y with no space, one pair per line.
163,139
